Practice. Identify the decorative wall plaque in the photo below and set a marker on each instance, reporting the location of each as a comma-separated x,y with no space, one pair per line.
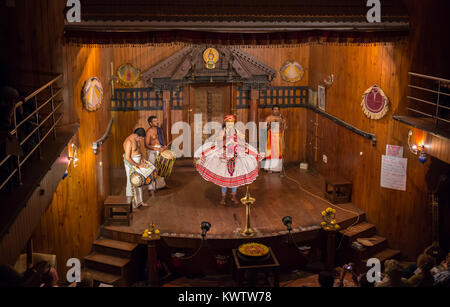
375,103
210,56
128,75
92,94
292,71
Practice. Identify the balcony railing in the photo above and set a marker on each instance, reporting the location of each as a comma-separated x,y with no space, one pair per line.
430,98
43,117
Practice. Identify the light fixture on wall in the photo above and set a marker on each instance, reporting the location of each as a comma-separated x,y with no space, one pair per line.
329,80
73,155
417,149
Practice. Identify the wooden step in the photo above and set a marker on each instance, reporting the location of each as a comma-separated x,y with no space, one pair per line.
103,277
114,247
379,244
361,230
384,255
106,263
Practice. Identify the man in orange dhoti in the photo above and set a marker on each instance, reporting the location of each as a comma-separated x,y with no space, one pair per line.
276,125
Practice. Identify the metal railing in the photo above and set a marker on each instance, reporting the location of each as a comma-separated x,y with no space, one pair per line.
432,89
39,124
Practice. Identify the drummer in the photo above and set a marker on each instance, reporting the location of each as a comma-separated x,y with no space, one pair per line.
133,157
154,142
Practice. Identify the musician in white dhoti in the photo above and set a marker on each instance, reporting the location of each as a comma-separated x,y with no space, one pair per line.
229,162
154,143
133,158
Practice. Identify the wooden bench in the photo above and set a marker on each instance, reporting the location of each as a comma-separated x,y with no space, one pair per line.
118,210
338,190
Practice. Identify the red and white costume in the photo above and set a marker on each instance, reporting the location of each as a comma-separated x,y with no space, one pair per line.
229,161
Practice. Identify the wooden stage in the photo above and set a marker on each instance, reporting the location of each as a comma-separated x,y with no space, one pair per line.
178,211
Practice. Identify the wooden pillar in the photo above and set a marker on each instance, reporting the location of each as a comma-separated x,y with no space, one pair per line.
253,102
331,250
152,260
186,105
166,115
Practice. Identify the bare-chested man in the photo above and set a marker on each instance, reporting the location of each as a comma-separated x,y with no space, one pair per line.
154,143
133,157
276,125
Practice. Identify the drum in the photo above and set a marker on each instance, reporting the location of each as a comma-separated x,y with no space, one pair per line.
143,176
164,163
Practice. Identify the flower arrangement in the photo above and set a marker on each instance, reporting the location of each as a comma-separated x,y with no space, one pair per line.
151,230
329,220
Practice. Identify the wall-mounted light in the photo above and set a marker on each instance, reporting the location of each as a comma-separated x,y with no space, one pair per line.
73,155
329,80
417,149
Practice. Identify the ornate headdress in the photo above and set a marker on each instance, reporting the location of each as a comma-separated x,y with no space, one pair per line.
229,118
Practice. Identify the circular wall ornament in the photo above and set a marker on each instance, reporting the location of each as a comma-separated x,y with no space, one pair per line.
292,71
210,56
375,103
92,94
128,75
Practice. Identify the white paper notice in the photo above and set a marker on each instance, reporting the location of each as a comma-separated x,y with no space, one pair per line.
394,151
393,173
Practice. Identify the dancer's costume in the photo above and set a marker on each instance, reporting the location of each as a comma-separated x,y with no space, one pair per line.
229,162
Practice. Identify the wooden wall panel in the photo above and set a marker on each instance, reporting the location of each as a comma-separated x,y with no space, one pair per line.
33,34
146,57
275,57
14,241
72,221
295,134
403,217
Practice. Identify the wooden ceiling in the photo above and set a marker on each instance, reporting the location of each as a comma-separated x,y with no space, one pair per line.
238,16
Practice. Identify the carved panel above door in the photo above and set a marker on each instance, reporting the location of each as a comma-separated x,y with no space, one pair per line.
187,66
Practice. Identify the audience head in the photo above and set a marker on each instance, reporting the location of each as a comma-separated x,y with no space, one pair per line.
447,261
326,279
9,277
364,283
425,263
42,273
393,269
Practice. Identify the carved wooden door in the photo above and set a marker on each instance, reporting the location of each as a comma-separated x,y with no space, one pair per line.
209,103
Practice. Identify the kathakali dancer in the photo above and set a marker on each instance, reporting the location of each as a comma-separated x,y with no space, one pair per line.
276,125
133,157
229,162
154,143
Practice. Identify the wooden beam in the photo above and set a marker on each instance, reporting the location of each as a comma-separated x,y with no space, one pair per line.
253,114
166,115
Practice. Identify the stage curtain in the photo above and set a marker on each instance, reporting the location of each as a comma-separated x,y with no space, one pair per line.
82,38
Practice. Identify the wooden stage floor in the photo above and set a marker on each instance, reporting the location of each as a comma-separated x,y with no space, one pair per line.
179,210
